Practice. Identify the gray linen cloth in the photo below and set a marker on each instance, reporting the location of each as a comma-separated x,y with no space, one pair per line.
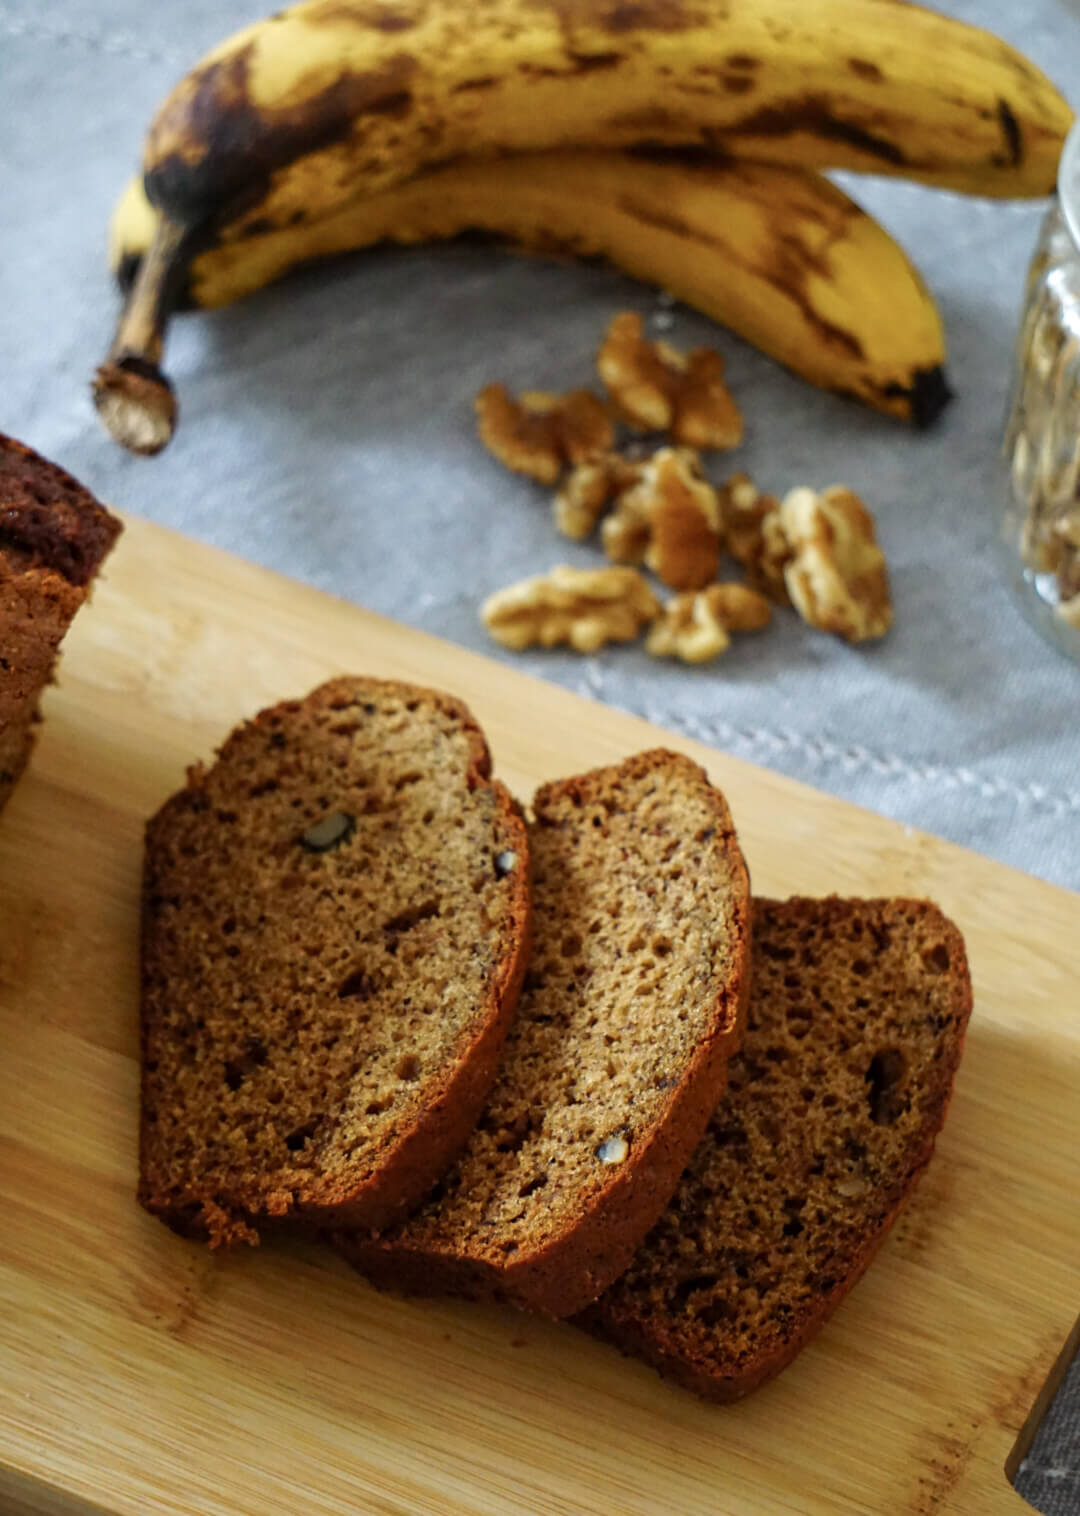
326,430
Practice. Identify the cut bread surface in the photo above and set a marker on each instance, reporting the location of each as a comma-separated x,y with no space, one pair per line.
855,1028
631,1006
335,926
54,537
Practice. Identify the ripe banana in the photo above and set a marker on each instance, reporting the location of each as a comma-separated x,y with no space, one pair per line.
332,99
779,255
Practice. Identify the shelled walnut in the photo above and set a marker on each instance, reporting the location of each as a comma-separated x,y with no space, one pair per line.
1066,537
697,627
540,434
817,551
837,577
589,489
670,520
1069,610
656,388
584,608
754,535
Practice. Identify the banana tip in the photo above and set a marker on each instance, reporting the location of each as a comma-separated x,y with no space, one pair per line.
930,394
136,403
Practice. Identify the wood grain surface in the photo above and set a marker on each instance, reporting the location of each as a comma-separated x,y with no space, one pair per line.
140,1375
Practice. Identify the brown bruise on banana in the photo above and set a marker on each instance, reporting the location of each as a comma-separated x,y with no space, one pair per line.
486,81
735,75
788,270
620,17
1010,131
576,63
389,19
242,144
813,115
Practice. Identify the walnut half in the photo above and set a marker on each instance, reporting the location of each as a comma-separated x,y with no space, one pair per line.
656,388
540,434
589,489
584,608
754,535
837,577
1069,610
697,627
1066,532
670,519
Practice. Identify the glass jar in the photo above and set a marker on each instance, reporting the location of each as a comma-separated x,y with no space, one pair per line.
1042,431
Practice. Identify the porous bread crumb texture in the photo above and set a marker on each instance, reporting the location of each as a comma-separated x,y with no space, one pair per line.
16,741
335,918
53,538
629,1009
48,520
855,1028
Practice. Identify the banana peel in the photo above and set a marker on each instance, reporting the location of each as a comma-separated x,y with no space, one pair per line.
779,255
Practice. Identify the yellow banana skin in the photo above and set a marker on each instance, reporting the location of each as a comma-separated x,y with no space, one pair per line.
334,98
779,255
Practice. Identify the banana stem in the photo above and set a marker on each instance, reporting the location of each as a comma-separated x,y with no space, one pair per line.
133,397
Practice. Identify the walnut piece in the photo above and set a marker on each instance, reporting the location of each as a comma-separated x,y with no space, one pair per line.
697,627
670,519
738,607
588,490
539,434
1069,610
1066,534
837,577
656,388
754,535
582,607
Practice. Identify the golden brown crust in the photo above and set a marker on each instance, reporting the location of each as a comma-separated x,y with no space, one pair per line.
16,742
370,1193
48,520
646,1313
557,1270
53,538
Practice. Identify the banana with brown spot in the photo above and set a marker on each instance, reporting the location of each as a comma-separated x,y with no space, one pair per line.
298,114
331,98
779,255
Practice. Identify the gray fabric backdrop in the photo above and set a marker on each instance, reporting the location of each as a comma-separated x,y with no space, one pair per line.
327,432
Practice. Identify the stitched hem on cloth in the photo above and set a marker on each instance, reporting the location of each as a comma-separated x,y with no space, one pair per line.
855,758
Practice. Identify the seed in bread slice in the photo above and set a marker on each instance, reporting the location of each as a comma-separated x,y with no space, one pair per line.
335,922
631,1006
854,1032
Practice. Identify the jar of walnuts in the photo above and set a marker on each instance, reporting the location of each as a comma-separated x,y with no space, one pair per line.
1042,431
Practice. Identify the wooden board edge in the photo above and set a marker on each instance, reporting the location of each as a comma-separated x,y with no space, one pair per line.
1043,1400
492,672
23,1495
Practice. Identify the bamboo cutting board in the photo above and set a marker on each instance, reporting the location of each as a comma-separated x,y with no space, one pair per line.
139,1375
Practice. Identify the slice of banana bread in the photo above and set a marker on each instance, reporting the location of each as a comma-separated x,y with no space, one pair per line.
854,1032
53,538
632,1004
335,923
